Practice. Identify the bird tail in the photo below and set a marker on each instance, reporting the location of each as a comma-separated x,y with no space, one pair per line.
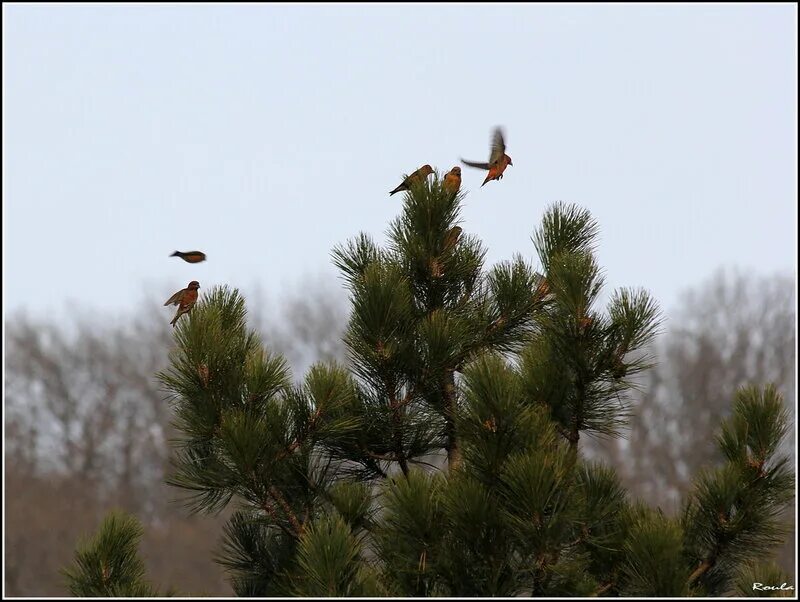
176,254
398,189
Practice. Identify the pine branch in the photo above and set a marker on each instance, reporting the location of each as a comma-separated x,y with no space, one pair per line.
276,495
732,517
267,507
108,564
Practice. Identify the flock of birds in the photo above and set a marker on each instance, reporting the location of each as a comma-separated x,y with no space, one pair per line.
186,298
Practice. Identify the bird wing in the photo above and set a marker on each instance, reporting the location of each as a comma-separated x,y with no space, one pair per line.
474,164
498,147
415,175
175,299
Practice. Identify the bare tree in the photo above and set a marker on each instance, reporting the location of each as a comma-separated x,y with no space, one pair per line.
734,329
305,325
88,403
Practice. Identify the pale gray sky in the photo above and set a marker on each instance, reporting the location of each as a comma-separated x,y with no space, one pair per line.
265,135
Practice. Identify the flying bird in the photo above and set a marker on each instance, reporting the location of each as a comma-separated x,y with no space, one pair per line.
452,180
498,159
184,299
190,256
419,175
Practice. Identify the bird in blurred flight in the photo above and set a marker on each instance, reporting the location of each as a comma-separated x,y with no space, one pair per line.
498,159
190,256
452,180
184,299
419,175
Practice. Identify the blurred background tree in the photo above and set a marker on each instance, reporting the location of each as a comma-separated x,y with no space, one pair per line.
82,401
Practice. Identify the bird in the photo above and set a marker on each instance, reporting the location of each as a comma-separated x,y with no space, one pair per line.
451,238
184,299
498,159
422,173
190,256
542,292
618,368
452,180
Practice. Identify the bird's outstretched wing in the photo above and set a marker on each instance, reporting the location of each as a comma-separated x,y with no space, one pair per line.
498,147
174,299
474,164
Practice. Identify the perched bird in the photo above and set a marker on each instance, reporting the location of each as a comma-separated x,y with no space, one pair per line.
618,367
184,299
498,159
452,180
419,175
202,371
542,292
190,256
451,238
436,267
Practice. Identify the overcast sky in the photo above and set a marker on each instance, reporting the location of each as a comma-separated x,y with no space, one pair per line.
265,135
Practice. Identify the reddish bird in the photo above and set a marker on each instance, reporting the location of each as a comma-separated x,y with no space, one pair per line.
498,159
190,256
184,299
419,175
451,238
452,180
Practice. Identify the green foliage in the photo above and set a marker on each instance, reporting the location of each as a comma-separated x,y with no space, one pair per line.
654,565
604,519
733,516
502,369
354,503
256,554
422,309
410,533
223,386
497,420
329,562
565,229
108,564
537,490
477,548
576,362
758,424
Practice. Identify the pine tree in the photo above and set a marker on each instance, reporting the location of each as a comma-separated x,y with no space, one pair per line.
444,458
